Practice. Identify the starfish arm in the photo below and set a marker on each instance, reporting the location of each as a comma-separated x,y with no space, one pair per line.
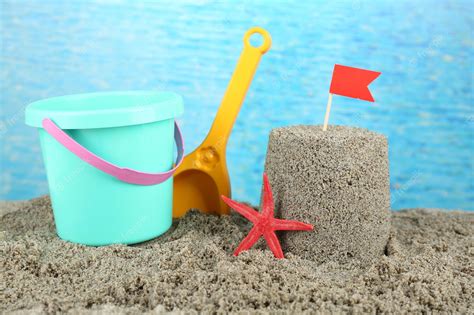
248,241
244,210
268,205
273,243
291,225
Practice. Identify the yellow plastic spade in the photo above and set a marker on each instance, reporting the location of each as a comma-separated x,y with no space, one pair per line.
202,177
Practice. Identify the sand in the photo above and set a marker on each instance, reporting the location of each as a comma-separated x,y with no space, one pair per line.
336,179
427,266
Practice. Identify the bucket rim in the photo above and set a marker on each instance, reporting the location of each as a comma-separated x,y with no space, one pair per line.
105,109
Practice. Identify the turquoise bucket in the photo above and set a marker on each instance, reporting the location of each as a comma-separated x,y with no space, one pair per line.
103,153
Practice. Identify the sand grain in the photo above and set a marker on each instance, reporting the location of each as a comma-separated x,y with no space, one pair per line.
427,266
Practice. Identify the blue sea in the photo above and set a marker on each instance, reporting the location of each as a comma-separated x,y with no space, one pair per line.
424,97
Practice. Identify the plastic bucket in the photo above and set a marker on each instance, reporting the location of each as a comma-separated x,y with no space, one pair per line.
109,163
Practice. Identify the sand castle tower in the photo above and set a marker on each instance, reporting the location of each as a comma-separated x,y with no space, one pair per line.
338,181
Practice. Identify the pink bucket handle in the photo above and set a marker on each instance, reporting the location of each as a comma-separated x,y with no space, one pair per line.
124,174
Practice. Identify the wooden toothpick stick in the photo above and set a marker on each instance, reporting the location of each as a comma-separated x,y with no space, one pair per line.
328,110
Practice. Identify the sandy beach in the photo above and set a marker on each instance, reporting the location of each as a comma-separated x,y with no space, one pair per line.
428,266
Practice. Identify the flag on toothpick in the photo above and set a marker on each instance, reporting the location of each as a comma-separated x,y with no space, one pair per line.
350,82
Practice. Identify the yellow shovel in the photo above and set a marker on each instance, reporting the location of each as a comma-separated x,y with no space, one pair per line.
202,177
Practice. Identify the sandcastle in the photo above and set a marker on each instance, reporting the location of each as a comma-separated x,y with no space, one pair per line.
337,180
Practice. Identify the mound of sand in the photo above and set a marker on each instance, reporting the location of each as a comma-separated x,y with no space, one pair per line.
427,266
338,178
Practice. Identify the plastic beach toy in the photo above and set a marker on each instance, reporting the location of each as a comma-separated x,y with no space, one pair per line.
203,178
109,162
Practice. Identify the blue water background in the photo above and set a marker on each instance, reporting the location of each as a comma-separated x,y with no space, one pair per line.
424,50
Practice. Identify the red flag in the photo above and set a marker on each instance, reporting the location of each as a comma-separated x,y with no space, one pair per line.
352,82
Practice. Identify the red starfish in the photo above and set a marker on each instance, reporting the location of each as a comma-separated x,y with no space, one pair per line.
264,223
